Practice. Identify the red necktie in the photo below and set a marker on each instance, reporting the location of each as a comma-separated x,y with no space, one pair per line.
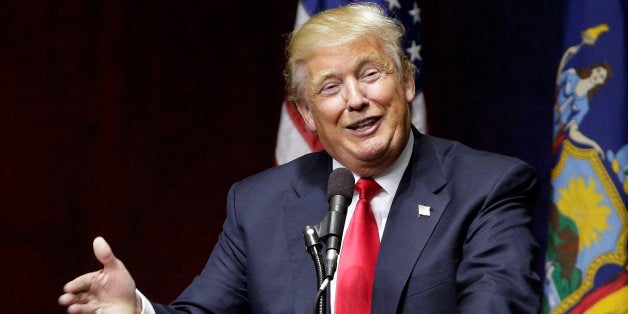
356,272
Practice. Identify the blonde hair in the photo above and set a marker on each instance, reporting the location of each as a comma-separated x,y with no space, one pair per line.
338,26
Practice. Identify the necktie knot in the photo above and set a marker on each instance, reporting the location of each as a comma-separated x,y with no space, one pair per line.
367,188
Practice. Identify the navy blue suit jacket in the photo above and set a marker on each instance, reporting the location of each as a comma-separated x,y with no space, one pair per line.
473,254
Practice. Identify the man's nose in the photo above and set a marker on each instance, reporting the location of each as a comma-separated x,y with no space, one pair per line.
355,97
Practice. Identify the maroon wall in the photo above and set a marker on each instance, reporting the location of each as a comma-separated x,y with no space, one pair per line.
129,121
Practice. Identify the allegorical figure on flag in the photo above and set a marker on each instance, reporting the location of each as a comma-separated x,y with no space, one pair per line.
448,227
586,265
575,92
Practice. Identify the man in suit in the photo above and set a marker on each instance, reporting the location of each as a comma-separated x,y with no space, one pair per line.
453,222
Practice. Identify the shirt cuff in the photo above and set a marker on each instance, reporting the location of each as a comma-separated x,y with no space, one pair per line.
147,307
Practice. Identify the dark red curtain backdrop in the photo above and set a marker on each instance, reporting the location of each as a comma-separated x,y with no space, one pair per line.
132,120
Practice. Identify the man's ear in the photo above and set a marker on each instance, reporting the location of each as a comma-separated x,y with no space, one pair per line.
306,113
410,87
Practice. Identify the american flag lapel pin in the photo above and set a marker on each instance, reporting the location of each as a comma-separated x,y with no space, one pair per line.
424,210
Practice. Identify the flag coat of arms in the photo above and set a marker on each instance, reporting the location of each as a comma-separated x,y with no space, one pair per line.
586,263
293,138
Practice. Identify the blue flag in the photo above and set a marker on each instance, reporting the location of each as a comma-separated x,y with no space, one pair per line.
586,263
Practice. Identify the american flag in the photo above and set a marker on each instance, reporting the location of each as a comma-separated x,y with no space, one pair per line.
293,138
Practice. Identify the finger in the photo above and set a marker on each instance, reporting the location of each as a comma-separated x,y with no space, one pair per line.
71,298
82,308
103,253
67,299
82,283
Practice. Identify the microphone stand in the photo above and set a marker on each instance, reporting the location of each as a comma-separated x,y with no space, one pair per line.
314,246
340,190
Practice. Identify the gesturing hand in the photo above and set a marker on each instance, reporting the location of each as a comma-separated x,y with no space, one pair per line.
110,290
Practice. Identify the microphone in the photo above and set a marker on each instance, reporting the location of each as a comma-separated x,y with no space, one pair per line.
339,194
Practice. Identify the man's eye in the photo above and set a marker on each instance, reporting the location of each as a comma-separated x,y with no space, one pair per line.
329,89
330,86
370,74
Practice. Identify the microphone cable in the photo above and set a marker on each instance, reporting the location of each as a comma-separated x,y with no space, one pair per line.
314,246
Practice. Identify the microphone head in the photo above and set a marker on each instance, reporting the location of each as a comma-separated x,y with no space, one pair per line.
341,182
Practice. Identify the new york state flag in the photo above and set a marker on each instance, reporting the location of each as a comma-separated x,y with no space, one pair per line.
586,264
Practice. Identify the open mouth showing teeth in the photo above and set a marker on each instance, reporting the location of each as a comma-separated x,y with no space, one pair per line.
363,124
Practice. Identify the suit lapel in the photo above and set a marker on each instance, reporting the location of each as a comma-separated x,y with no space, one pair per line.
306,205
406,233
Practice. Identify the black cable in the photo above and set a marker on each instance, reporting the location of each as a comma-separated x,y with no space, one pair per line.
313,246
319,305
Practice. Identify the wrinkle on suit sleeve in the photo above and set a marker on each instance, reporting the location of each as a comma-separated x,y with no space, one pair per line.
496,274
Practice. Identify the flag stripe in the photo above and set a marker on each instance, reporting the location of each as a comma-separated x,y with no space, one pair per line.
310,137
599,294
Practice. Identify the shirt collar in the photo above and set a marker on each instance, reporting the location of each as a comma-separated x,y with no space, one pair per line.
389,179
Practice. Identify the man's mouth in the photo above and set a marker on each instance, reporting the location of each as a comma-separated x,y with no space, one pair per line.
363,124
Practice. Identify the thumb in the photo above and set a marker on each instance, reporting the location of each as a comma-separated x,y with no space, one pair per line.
103,252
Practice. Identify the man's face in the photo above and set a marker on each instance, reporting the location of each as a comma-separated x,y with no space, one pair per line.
357,105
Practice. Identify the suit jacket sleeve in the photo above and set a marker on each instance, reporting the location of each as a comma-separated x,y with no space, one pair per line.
496,274
259,263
